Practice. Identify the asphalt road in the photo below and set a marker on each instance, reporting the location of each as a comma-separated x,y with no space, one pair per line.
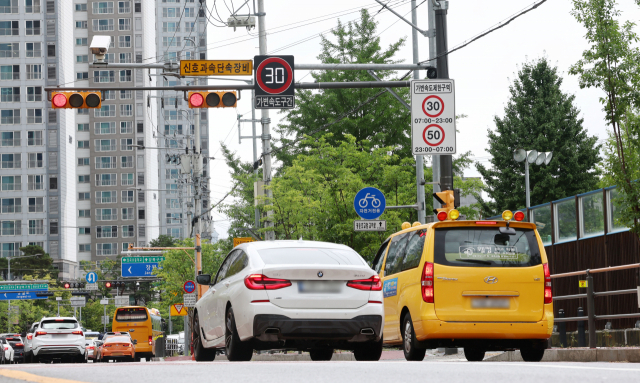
334,372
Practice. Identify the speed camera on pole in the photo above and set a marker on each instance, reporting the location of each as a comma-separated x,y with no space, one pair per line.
433,117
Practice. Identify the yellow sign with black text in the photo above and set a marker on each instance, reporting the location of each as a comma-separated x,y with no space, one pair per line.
238,241
582,284
216,67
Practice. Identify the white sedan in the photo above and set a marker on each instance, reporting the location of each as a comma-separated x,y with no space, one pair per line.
290,295
8,351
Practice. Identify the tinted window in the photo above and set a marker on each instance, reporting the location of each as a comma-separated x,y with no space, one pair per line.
377,261
395,254
222,272
131,315
240,262
486,247
59,324
310,256
413,252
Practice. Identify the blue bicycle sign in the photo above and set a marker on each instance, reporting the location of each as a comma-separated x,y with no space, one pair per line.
369,203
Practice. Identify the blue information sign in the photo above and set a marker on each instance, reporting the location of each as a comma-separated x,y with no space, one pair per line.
18,296
138,269
369,203
91,277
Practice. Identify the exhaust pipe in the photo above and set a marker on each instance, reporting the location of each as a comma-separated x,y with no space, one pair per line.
272,330
367,331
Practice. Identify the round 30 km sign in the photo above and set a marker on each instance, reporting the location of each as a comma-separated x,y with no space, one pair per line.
274,80
433,122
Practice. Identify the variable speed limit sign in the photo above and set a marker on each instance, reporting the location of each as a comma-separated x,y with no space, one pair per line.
433,117
274,82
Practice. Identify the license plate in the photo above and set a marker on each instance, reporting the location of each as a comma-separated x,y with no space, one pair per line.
319,287
116,354
490,303
58,336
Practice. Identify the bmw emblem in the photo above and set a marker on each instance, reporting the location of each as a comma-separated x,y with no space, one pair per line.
320,274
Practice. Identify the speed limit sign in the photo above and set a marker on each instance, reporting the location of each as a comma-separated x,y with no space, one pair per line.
433,117
274,82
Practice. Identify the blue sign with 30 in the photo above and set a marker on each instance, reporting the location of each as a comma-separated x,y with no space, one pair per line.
369,203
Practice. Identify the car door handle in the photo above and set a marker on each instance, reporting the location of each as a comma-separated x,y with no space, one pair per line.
213,291
227,283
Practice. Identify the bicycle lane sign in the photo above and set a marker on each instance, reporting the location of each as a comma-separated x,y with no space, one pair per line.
369,203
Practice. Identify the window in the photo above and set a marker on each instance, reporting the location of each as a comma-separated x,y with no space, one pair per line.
9,50
124,25
9,6
34,138
53,227
82,75
127,196
33,50
53,183
81,24
82,42
106,231
172,129
11,227
11,160
127,213
190,26
34,93
125,144
102,7
171,41
51,50
106,162
82,59
84,230
171,12
9,28
126,58
138,7
32,6
10,94
83,144
106,249
9,72
84,247
34,116
139,127
395,254
81,7
172,203
9,116
140,178
106,214
84,179
53,160
105,127
172,174
170,27
10,139
141,214
105,145
104,76
125,75
126,127
84,196
51,74
109,94
34,72
86,213
128,231
107,179
11,183
189,12
36,205
127,179
83,127
175,232
174,218
83,161
105,111
124,6
36,160
11,205
106,197
126,110
35,182
100,25
126,161
36,226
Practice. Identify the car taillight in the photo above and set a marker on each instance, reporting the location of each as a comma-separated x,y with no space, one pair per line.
29,336
548,296
77,332
427,282
260,282
90,348
19,345
41,333
6,348
150,340
371,284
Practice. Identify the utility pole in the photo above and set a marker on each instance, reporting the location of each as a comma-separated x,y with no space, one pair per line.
446,167
435,159
266,130
256,210
419,159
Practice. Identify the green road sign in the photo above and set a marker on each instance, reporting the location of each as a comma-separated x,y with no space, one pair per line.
142,259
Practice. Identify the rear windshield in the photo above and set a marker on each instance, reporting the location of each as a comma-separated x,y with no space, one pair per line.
131,315
14,339
486,247
310,256
59,324
118,339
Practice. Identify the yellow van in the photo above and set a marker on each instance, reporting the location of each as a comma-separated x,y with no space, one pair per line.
480,285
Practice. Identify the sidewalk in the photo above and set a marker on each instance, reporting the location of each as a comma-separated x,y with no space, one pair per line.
613,354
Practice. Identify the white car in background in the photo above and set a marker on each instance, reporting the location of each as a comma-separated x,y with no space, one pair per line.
28,339
8,351
59,338
290,295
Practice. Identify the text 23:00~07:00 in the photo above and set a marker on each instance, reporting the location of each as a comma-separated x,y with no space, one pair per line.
429,149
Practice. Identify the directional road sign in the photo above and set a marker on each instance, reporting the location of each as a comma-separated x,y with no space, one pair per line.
433,117
122,300
373,225
216,67
239,240
369,203
78,301
24,287
189,287
178,310
18,296
91,277
189,300
274,82
140,266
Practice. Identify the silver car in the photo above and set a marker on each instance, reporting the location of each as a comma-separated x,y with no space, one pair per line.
28,339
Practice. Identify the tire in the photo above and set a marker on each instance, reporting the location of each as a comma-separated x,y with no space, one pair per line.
531,354
370,351
235,349
474,354
321,354
409,341
200,353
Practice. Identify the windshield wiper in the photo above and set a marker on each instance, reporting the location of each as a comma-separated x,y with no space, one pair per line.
474,261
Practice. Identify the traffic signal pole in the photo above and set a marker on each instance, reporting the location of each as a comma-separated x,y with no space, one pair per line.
266,129
446,165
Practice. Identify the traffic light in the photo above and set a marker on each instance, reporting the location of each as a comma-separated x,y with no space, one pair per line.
450,199
114,284
213,99
76,100
108,285
67,285
73,285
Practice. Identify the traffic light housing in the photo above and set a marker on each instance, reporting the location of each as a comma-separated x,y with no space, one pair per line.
73,285
225,99
76,100
450,199
114,284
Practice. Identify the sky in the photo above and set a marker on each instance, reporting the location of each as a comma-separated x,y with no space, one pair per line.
482,71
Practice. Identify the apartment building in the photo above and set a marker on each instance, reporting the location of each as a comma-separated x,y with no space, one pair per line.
182,35
38,144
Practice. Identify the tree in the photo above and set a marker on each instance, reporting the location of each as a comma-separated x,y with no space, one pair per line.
383,121
612,64
36,266
538,116
163,240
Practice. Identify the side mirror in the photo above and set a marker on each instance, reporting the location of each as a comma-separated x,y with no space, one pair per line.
203,279
135,341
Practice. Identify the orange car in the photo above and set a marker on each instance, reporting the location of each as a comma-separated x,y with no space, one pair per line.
117,347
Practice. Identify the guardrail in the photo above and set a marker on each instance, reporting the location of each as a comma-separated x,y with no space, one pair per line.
590,296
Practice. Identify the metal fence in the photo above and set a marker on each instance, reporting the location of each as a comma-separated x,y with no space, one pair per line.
173,347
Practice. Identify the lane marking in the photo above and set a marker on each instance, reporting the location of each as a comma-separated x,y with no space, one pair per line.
21,375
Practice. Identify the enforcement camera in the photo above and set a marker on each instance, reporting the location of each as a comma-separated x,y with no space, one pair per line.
100,46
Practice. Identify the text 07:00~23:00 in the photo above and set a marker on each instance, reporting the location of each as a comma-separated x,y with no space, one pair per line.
429,149
427,120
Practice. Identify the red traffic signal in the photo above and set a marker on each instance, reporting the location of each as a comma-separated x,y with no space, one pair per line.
76,100
213,99
107,285
67,285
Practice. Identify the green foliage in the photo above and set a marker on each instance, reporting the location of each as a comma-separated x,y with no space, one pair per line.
163,240
538,116
36,266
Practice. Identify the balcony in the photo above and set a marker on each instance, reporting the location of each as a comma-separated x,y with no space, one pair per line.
16,186
36,230
106,199
34,119
10,98
11,165
9,32
34,142
11,142
107,148
125,165
102,11
37,208
32,8
106,252
126,182
125,78
34,75
10,76
106,217
104,79
105,165
171,29
9,54
35,164
9,253
102,28
6,209
124,9
8,9
127,147
34,53
36,185
106,183
127,217
34,31
107,234
124,27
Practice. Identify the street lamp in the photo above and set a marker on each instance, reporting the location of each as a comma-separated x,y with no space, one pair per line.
530,157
